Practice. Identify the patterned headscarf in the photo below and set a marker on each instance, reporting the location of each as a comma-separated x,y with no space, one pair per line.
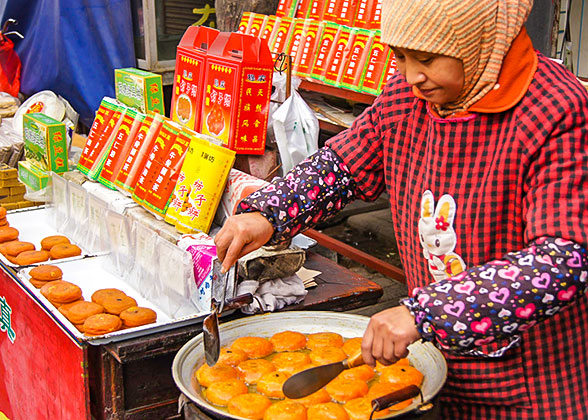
477,32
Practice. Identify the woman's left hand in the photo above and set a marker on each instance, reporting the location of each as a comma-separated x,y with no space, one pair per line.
388,335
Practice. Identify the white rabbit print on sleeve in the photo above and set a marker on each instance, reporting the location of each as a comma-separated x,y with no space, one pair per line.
438,237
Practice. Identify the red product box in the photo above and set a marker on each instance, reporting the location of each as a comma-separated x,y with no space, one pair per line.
356,59
154,159
375,17
281,35
245,22
286,8
364,13
128,128
338,55
141,144
389,70
316,10
330,10
238,84
326,41
257,23
158,194
306,53
105,112
303,9
375,66
298,28
346,12
189,75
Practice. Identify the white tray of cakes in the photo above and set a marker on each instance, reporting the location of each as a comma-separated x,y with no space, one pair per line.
27,238
94,305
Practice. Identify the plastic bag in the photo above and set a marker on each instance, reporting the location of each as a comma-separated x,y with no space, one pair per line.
296,129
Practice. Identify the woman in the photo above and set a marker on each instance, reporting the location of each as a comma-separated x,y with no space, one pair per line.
482,145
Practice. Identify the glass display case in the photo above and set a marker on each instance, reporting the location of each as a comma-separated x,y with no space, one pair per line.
158,26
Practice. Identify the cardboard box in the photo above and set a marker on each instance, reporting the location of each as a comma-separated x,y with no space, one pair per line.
298,28
139,89
238,82
303,9
280,38
389,69
186,103
346,10
316,10
269,25
35,178
45,142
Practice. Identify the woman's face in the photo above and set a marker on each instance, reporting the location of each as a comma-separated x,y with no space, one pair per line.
439,78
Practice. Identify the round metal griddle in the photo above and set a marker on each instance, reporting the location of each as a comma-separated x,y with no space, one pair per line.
423,356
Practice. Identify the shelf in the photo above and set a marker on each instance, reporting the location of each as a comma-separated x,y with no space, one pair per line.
364,98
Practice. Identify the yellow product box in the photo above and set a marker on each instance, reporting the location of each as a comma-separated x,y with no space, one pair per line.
139,89
7,172
32,176
200,185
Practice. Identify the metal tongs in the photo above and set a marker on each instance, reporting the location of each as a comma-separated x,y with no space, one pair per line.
222,299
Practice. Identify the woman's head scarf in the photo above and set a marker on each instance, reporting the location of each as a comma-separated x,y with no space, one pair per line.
477,32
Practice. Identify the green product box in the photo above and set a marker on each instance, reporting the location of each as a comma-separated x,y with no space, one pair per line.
32,176
45,142
139,89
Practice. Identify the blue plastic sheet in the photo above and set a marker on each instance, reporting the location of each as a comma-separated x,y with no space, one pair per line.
72,47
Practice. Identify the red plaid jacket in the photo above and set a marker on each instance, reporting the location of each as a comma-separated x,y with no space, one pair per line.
515,176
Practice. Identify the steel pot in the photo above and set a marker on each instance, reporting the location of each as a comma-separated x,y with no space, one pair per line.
424,356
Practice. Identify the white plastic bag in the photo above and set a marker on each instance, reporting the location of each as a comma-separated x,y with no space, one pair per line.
296,129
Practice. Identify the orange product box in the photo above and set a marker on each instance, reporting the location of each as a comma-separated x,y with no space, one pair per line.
268,28
94,154
375,66
128,128
238,82
256,24
316,10
364,11
189,75
338,56
287,8
165,177
298,28
346,12
245,22
281,35
141,144
105,111
306,52
325,44
389,70
303,9
200,185
330,10
375,17
154,159
355,62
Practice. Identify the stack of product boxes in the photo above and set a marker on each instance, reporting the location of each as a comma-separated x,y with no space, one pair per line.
45,145
336,42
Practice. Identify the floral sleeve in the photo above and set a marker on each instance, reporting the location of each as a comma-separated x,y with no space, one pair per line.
314,190
502,298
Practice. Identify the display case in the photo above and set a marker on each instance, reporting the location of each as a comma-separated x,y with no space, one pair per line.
158,26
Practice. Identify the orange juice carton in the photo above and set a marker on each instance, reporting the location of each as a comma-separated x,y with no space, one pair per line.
316,9
165,175
299,27
338,56
238,85
331,9
200,185
187,91
45,142
154,159
139,89
96,148
375,64
306,53
281,35
128,128
268,28
245,22
140,145
325,44
286,8
355,63
105,111
346,12
302,9
389,70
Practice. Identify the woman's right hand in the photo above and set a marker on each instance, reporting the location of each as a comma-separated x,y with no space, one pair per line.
240,235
